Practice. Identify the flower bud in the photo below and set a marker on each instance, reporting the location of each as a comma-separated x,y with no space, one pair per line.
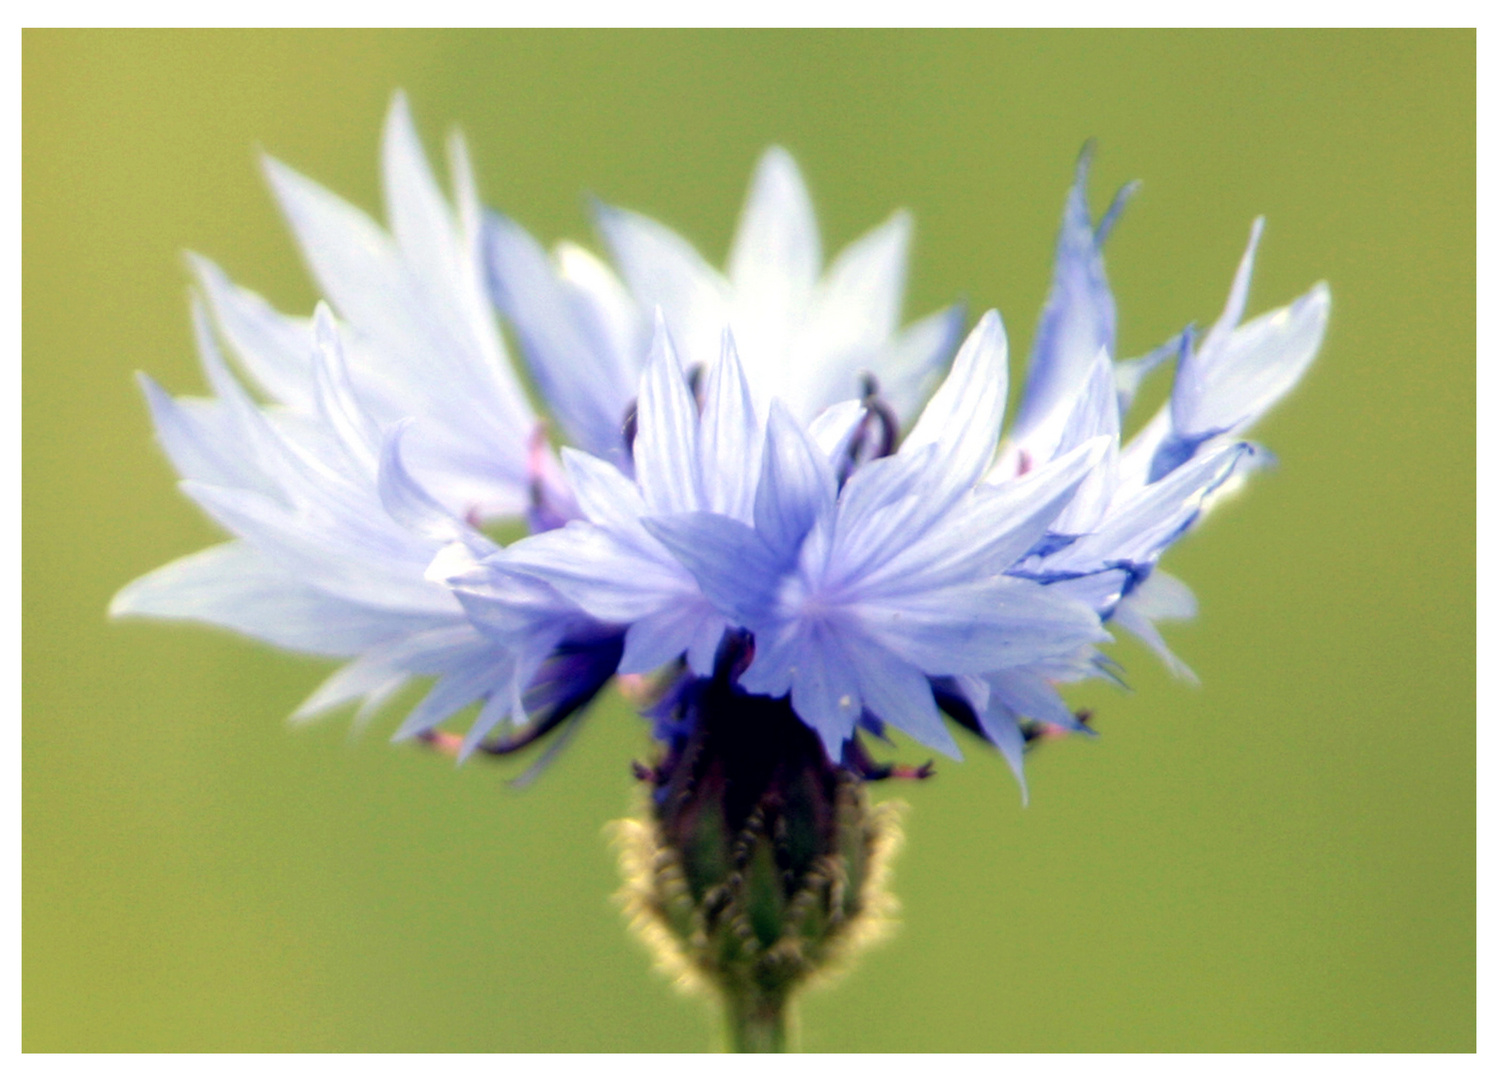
760,864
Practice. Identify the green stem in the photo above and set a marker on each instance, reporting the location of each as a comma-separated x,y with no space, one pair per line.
757,1022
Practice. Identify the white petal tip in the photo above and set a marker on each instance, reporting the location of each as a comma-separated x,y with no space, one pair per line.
452,562
325,330
201,266
777,157
122,603
1185,674
279,173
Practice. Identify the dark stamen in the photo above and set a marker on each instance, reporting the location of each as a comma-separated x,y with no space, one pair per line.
571,678
520,740
628,428
877,432
858,760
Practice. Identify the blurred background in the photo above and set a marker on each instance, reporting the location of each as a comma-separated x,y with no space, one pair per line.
1281,859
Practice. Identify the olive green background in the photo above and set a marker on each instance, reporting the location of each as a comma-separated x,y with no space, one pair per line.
1281,859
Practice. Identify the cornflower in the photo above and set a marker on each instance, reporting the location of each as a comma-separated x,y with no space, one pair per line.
766,520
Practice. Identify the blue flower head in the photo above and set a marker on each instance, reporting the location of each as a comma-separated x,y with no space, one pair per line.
768,491
785,523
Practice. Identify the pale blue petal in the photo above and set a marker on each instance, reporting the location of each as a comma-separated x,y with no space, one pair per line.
598,570
587,387
997,723
199,439
662,636
419,347
1027,694
409,504
447,647
1096,410
963,419
237,588
375,699
1138,529
604,495
341,566
731,562
1137,622
453,692
971,688
272,347
703,649
662,270
607,309
826,689
860,298
729,438
1134,466
515,609
353,260
1095,416
900,695
1077,321
988,530
416,346
909,366
270,463
975,627
341,412
832,429
1160,596
797,485
1100,590
1005,734
854,312
882,507
382,670
778,652
1163,596
421,222
358,680
775,258
666,451
1228,387
1240,291
465,192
